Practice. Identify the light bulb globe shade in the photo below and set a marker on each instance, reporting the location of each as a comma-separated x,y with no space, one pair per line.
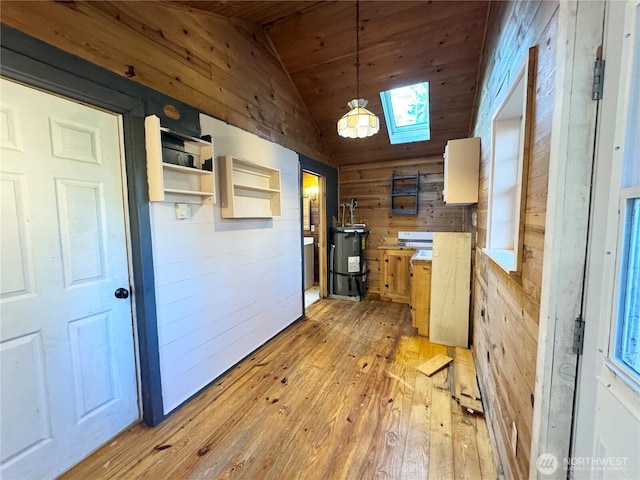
358,122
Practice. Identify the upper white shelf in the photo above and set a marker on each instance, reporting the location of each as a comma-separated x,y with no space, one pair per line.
180,168
176,165
248,190
254,188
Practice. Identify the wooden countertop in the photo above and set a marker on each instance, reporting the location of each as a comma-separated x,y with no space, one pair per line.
395,247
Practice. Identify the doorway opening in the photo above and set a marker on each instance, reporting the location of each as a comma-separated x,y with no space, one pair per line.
314,233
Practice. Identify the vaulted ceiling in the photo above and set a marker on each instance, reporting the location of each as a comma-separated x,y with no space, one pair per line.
401,43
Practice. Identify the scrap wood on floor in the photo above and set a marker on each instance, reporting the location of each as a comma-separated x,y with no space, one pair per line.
462,377
467,392
434,364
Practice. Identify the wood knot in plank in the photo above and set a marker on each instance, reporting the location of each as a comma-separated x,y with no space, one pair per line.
204,450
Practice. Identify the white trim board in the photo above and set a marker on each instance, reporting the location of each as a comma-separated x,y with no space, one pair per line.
579,37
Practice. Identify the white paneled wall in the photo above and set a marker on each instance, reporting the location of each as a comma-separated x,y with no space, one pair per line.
224,287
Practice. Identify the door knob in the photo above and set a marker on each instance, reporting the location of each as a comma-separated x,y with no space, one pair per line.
121,293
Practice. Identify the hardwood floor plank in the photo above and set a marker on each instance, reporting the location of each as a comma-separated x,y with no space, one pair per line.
403,376
485,452
440,428
336,395
465,450
416,449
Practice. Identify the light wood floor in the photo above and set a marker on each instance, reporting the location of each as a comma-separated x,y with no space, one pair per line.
335,396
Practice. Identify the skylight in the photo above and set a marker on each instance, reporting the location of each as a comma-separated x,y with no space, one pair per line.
406,111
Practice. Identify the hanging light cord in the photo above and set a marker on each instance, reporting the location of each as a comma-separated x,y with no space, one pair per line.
357,49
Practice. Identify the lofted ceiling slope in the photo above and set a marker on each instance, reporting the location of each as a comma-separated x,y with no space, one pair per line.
402,42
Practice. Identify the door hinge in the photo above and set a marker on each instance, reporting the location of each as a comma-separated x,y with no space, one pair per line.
578,336
598,79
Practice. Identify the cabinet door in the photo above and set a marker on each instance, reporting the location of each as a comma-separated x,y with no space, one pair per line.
384,274
413,269
421,296
397,286
461,171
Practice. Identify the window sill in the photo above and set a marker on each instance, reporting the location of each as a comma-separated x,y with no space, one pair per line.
505,259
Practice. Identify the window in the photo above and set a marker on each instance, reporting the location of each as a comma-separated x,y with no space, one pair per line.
406,112
508,171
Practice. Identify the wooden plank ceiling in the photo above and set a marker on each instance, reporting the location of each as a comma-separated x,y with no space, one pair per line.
401,43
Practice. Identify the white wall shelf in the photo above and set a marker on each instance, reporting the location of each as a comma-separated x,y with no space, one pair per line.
461,171
248,190
189,170
168,181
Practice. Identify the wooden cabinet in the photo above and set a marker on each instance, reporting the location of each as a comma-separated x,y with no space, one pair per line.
461,171
176,165
420,295
450,289
248,190
395,279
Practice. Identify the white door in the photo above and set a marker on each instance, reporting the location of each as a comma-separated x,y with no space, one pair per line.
68,381
607,422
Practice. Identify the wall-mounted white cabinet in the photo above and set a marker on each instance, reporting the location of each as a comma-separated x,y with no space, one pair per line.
179,167
248,190
461,171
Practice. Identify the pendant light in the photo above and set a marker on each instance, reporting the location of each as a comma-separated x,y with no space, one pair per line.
358,122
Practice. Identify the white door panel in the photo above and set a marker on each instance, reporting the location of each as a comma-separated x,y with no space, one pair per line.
15,249
607,422
66,350
23,369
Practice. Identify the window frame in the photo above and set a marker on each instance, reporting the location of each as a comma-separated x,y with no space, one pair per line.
614,357
510,260
405,133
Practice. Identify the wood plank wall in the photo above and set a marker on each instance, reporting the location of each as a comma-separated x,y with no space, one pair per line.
370,184
505,338
225,68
